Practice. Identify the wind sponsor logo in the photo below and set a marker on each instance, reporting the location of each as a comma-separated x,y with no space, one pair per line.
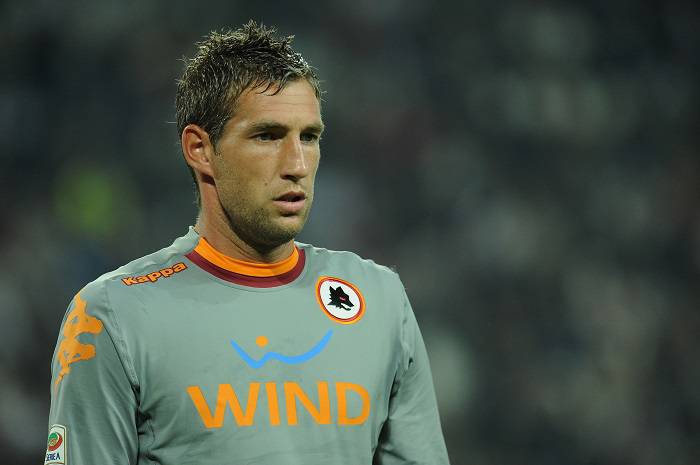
292,395
282,400
154,276
288,359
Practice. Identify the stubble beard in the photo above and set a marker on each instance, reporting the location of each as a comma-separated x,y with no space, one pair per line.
260,231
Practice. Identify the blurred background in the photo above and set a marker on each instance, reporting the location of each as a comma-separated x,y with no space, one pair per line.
531,169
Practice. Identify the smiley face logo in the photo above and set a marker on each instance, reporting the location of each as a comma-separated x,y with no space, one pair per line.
262,341
341,300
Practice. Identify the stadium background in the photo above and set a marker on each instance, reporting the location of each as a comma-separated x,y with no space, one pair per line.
530,168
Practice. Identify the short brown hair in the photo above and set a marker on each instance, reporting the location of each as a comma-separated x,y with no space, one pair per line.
226,64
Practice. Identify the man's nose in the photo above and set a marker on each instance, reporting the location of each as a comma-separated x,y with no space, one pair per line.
294,163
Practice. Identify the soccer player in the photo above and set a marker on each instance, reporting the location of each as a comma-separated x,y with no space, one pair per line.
236,344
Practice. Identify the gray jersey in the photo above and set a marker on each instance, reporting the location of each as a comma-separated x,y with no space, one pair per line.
186,356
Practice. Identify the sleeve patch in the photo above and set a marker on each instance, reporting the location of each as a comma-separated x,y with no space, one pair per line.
56,445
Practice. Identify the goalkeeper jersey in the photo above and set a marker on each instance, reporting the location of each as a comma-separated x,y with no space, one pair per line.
187,356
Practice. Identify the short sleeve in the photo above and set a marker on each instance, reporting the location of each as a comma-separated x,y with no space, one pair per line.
412,433
93,403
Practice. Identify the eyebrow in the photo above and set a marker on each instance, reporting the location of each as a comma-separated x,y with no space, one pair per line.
263,126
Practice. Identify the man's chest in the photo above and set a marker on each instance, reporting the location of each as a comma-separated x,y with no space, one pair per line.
243,361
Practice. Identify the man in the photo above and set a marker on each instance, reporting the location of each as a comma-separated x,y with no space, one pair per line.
236,344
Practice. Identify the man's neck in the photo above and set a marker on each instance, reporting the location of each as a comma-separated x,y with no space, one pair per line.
220,236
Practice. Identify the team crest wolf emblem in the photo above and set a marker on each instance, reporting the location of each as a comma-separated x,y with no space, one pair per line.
340,300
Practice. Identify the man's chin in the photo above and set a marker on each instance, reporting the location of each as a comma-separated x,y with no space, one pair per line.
288,227
265,232
279,232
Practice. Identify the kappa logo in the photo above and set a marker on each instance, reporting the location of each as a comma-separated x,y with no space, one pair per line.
155,276
340,300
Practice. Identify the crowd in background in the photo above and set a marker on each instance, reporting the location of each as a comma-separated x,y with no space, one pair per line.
531,169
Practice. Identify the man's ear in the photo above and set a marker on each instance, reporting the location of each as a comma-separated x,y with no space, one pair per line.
198,150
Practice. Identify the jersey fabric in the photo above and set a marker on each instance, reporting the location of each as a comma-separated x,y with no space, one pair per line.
188,357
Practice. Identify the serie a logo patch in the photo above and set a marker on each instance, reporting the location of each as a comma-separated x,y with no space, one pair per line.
56,446
342,301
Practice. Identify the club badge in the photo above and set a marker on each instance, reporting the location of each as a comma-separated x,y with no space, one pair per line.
340,300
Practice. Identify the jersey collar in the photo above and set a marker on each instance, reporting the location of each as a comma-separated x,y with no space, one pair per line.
247,273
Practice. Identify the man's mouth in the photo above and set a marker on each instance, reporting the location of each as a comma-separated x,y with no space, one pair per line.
292,196
291,202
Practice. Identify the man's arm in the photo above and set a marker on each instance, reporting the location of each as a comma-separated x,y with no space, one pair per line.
412,432
93,403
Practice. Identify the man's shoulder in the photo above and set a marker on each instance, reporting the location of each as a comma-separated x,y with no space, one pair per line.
348,261
150,268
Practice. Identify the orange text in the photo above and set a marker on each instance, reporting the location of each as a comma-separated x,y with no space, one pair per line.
293,396
155,276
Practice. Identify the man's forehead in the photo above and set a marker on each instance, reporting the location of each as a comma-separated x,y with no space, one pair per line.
298,92
295,101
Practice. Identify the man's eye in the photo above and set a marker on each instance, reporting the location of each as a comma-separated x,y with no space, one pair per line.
309,137
264,136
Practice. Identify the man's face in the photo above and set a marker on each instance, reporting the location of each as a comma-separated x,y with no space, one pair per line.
266,162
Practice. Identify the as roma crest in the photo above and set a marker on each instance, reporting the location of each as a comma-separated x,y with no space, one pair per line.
340,300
